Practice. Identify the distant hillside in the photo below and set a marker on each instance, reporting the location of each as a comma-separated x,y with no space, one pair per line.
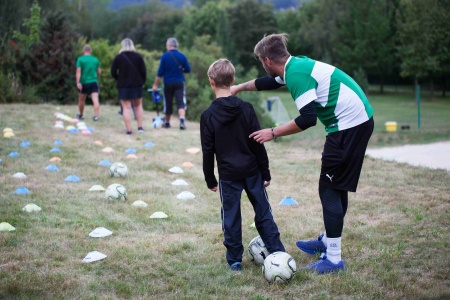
278,4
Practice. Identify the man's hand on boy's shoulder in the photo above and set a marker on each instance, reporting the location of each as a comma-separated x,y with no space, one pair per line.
214,189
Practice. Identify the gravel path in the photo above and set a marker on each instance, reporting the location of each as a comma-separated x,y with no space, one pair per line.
435,155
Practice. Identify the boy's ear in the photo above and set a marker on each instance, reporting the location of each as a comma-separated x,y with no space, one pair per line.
211,82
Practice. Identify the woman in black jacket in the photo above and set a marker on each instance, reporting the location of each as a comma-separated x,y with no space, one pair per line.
128,68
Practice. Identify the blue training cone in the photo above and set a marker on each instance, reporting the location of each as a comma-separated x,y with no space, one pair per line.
72,178
288,201
55,150
21,191
149,144
13,154
130,151
25,144
52,168
104,163
58,142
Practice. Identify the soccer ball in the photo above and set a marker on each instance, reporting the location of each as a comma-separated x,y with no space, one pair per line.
118,169
257,251
116,192
279,267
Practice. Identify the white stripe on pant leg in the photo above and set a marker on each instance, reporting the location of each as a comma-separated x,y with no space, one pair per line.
267,198
221,202
184,96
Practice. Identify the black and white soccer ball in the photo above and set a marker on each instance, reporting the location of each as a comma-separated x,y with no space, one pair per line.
118,169
279,267
116,192
257,251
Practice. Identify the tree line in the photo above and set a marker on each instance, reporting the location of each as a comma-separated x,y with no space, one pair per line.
376,41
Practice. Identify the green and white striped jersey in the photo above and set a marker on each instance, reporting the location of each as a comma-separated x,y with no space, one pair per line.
340,102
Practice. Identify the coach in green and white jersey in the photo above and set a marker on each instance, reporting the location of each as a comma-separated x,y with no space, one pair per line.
320,91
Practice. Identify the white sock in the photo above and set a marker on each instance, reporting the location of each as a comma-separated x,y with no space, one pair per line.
334,250
324,238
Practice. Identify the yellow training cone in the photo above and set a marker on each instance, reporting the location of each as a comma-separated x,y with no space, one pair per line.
8,134
7,129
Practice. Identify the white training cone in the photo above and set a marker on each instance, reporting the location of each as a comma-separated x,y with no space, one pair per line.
158,215
185,195
5,226
94,256
139,203
96,188
179,182
31,208
19,175
176,170
100,232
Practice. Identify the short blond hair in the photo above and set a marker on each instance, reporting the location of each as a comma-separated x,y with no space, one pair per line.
87,48
222,73
272,46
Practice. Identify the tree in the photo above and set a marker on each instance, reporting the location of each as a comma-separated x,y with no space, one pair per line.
424,38
248,22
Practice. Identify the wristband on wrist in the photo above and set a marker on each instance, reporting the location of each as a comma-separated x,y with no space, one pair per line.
273,134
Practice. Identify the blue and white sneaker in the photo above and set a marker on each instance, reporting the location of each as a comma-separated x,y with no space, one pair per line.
237,267
312,246
324,265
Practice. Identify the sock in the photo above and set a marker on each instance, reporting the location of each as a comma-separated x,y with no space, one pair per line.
334,249
324,238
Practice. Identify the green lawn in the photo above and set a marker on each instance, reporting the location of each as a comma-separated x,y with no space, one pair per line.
395,241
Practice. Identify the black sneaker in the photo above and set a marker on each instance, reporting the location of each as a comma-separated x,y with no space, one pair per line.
80,117
182,126
129,132
95,119
166,125
140,129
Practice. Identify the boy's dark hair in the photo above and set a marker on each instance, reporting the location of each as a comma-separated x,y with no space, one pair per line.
222,73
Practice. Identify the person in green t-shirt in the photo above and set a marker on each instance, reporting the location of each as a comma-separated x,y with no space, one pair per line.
320,91
87,76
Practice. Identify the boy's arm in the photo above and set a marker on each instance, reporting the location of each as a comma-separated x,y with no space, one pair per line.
207,141
259,149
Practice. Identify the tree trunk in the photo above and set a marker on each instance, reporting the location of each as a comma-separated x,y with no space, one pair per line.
432,89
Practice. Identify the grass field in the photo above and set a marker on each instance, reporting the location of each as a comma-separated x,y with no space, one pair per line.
395,241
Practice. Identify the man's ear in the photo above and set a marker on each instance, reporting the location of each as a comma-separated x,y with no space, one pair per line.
232,82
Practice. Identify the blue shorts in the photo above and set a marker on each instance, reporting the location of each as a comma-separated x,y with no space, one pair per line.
131,93
89,88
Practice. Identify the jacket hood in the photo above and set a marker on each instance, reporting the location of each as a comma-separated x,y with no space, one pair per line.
226,109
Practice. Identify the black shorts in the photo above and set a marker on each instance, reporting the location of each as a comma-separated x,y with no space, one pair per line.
343,156
89,88
177,90
130,93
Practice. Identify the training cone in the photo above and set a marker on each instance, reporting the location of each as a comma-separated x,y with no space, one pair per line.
94,256
130,151
288,201
185,195
55,159
25,144
108,150
149,144
5,226
176,170
139,203
21,191
57,142
13,154
105,163
187,164
52,168
158,215
98,143
179,182
100,232
96,188
31,208
55,150
193,150
132,156
19,175
72,178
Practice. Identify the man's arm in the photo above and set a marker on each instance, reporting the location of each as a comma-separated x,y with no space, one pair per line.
99,72
156,84
265,83
247,86
78,78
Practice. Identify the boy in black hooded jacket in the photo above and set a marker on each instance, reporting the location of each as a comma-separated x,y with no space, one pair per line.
242,163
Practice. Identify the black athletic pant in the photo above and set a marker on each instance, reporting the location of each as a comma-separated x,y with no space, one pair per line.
230,195
334,205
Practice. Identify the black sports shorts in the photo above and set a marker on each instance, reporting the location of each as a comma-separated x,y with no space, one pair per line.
343,156
89,88
177,90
